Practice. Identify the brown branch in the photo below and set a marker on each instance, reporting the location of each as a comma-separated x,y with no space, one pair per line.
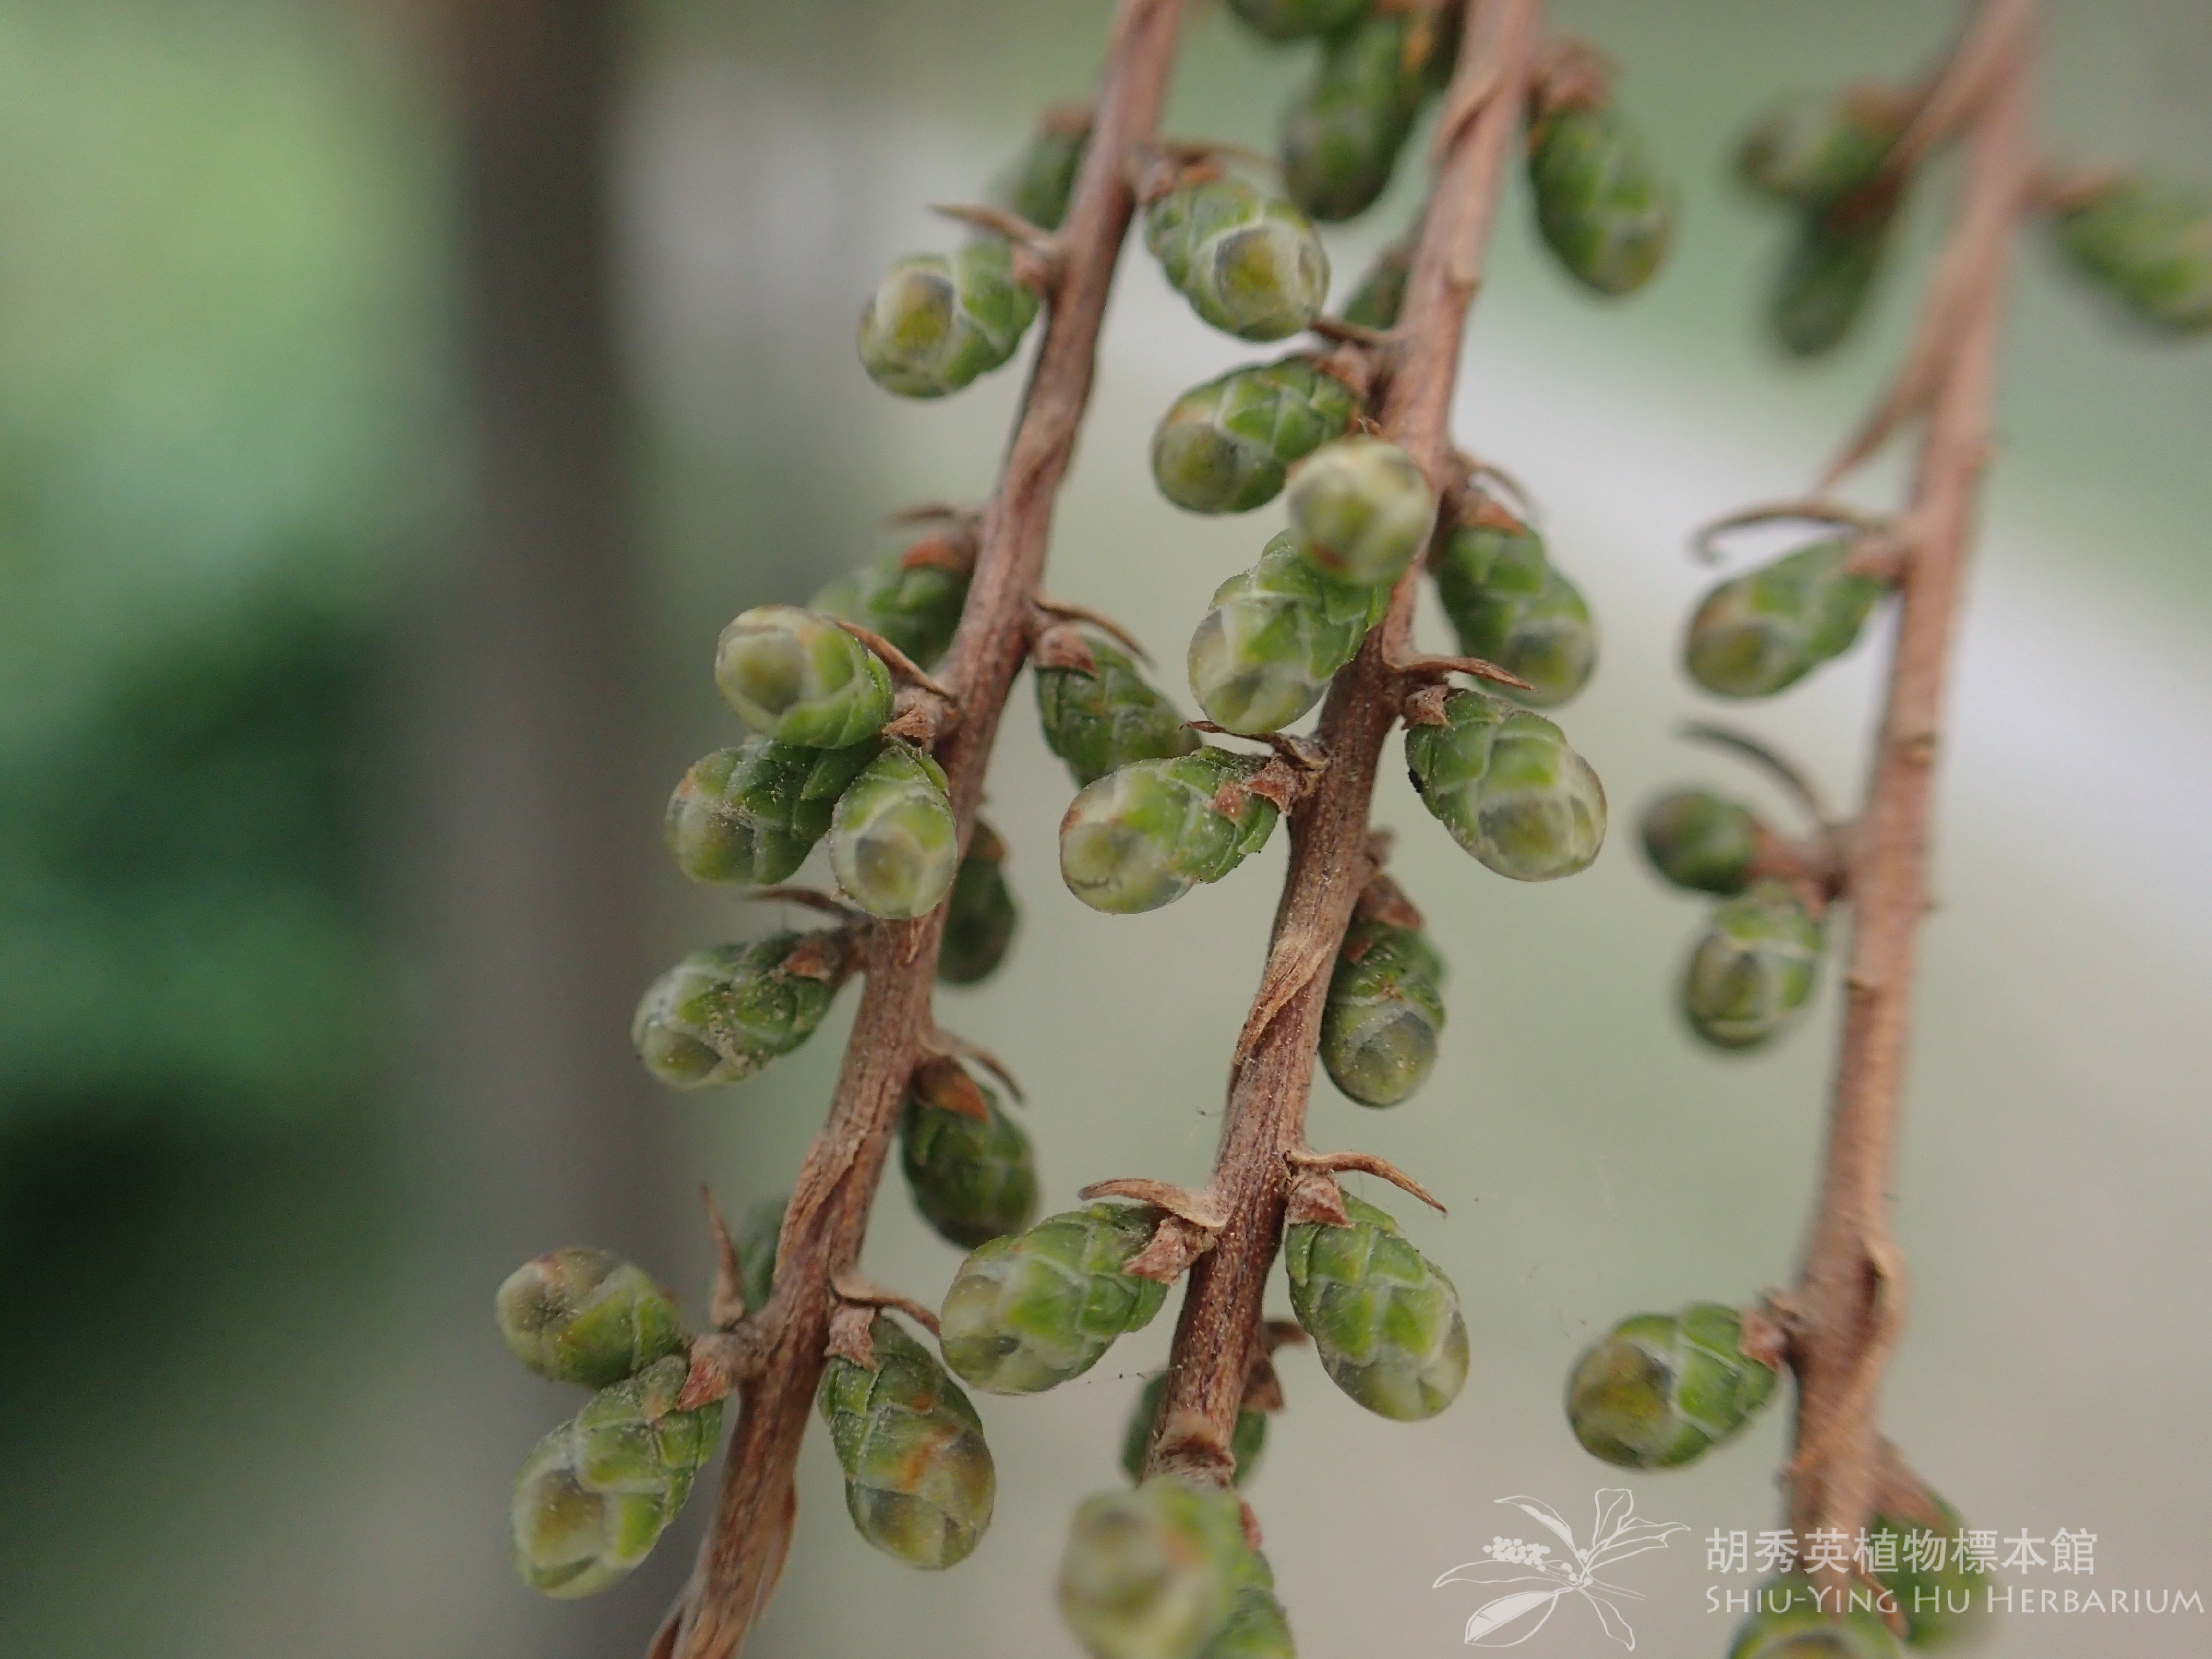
1330,863
828,1215
1846,1311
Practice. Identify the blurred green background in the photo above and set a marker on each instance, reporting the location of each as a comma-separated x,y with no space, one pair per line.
394,403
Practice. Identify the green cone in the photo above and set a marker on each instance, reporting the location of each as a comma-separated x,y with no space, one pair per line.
1298,19
935,322
597,1491
1246,1441
1811,150
1249,265
980,914
1098,723
2147,242
919,1481
583,1315
1944,1607
1362,509
1385,1012
1257,1626
751,815
1038,187
973,1179
1700,841
757,1239
1663,1390
1829,273
721,1014
1275,636
1344,129
893,845
1802,1631
1758,634
1509,606
1028,1311
1225,446
916,606
1603,205
1753,970
801,680
1509,788
1384,1319
1374,303
1144,835
1155,1573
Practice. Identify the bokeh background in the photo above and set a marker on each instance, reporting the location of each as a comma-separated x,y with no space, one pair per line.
395,399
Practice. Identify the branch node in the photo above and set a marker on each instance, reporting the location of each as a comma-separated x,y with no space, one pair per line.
726,1302
1305,1159
1205,1210
944,1084
855,1291
1067,610
938,1042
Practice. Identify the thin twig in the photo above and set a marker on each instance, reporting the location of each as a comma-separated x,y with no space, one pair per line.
1846,1308
1792,778
828,1214
1331,862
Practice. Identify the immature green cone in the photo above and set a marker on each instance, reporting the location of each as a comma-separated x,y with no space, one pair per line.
1787,1623
1942,1607
1298,19
1275,636
1700,841
1509,788
980,914
597,1492
1384,1014
1154,1573
1382,291
1098,723
1028,1311
1250,264
2147,242
1603,205
1144,835
973,1179
1760,633
721,1014
1038,187
1362,509
1813,149
801,680
1384,1319
1246,1441
583,1315
1342,133
936,322
893,845
915,606
919,1481
1509,606
1257,1628
1753,970
1829,274
751,815
1226,445
1663,1390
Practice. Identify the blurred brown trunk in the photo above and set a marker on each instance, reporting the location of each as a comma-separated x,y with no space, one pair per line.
544,725
543,826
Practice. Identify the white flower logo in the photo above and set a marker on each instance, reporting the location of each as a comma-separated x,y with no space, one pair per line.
1509,1561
